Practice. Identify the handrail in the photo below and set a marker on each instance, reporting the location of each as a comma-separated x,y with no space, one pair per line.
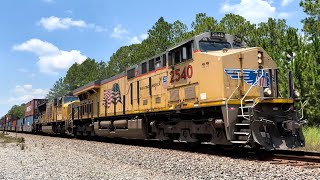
254,84
231,96
302,109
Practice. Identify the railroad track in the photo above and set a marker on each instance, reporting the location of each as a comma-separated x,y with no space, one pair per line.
295,158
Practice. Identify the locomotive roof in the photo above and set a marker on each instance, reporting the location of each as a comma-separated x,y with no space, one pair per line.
93,83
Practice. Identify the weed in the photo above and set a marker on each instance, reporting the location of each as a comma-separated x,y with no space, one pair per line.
312,138
22,146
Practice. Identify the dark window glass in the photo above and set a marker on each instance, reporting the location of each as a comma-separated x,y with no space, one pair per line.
144,67
151,65
131,73
68,99
177,57
213,46
164,60
170,61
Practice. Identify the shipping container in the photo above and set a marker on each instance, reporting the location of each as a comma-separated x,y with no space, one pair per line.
14,124
27,126
20,124
9,125
32,107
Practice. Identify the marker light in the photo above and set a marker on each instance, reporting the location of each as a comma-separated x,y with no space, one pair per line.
259,55
267,92
296,93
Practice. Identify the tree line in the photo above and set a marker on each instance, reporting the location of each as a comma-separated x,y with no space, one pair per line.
291,49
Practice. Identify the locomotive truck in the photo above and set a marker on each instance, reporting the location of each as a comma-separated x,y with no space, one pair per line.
211,88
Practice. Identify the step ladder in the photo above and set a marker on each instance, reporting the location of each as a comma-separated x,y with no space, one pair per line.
242,130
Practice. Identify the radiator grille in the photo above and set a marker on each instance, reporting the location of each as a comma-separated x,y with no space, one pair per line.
174,95
190,92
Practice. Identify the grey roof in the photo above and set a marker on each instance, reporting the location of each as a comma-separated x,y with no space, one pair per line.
93,83
113,78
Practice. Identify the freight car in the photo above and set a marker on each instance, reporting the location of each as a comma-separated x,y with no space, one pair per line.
211,88
31,114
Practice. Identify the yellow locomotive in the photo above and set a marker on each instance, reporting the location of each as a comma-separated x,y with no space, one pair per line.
210,88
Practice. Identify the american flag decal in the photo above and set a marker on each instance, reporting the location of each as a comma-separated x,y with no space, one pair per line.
112,96
263,81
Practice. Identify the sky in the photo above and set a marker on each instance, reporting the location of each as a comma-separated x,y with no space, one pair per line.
41,39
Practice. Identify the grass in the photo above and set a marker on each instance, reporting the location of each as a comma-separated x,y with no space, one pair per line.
312,137
4,139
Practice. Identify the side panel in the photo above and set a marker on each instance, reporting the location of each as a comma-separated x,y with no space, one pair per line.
29,108
27,127
111,97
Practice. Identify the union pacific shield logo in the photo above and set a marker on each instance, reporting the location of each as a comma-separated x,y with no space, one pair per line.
251,76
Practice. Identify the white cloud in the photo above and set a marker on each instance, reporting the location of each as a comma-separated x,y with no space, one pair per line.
53,23
119,32
255,11
69,11
60,61
286,2
144,36
26,72
49,1
51,58
25,93
38,47
137,39
98,28
284,15
134,40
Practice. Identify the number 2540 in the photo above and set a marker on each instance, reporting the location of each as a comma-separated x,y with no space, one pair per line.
177,74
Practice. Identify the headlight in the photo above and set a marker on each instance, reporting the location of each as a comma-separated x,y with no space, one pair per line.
259,55
267,92
296,93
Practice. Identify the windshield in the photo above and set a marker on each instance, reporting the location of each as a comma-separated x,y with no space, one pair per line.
69,99
213,46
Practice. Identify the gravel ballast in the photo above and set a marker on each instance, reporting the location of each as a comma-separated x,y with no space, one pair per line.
45,157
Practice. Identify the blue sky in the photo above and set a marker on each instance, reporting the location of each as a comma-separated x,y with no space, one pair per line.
41,39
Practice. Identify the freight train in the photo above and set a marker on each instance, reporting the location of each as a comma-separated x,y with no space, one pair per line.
211,88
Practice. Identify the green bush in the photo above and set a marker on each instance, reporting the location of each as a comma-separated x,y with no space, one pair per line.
312,136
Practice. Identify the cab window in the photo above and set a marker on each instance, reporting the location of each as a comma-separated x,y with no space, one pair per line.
181,53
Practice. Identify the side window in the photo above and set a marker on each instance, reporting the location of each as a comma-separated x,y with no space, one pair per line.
144,68
170,59
177,57
131,73
157,63
164,60
181,53
151,65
